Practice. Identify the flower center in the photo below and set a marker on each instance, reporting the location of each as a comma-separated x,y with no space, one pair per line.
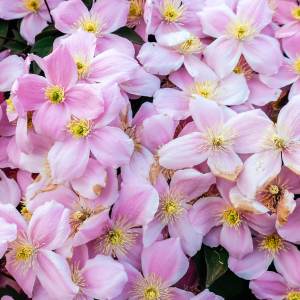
136,8
172,11
81,215
171,207
80,128
278,142
117,239
218,138
33,5
272,244
191,46
243,68
10,106
24,253
83,65
55,93
241,29
230,217
297,64
274,189
292,295
150,288
296,13
206,89
26,213
91,24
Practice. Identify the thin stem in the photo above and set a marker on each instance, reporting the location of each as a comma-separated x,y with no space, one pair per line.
11,39
49,11
8,276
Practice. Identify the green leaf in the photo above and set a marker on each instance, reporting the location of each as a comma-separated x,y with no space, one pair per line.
48,31
216,262
18,36
88,2
36,69
3,30
201,268
9,291
44,46
15,47
129,34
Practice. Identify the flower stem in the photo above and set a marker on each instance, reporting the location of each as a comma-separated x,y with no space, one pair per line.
49,11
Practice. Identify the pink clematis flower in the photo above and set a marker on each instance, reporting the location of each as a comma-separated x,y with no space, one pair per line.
10,190
173,209
173,21
103,19
163,264
207,295
34,13
232,90
287,14
234,214
280,139
240,34
289,73
56,96
273,286
30,255
216,134
267,249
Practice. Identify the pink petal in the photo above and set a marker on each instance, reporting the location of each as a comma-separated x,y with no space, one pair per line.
203,214
181,294
111,146
172,102
68,13
84,101
113,41
191,183
182,152
256,10
238,242
142,83
215,19
158,59
49,226
261,223
259,170
9,213
112,66
212,238
263,55
10,189
270,285
226,165
7,128
137,202
104,277
220,51
9,12
182,79
165,259
290,44
56,71
288,264
66,154
4,141
22,136
283,12
252,265
24,179
55,276
146,111
56,116
32,100
190,240
260,92
152,231
32,25
171,34
11,69
288,30
39,293
80,256
8,233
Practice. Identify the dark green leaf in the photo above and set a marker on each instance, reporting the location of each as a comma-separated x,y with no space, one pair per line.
3,30
36,69
216,262
88,2
18,36
9,291
48,31
44,46
129,34
200,263
15,47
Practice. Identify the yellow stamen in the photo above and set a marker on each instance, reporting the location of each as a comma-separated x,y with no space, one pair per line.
55,93
230,217
206,89
133,133
33,5
83,65
241,29
10,106
243,68
26,213
117,238
29,119
91,24
191,46
296,13
167,173
172,11
272,244
296,64
78,279
150,288
136,12
292,295
80,128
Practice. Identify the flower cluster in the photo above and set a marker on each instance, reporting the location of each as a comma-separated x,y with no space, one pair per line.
100,200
